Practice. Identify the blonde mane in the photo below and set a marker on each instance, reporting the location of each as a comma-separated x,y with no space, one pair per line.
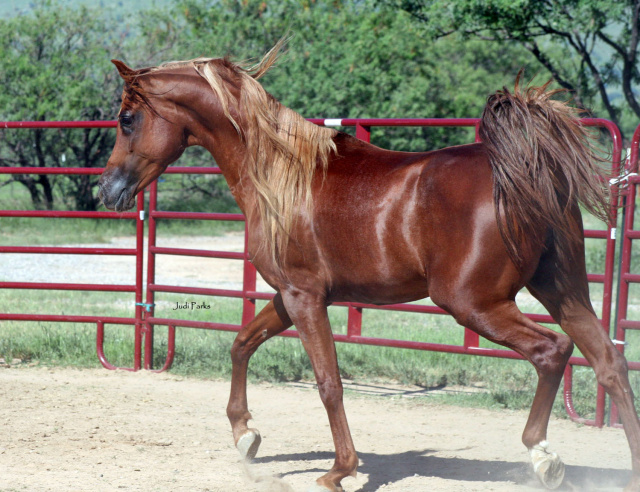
284,151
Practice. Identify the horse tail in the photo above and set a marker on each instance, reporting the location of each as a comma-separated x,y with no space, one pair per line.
544,164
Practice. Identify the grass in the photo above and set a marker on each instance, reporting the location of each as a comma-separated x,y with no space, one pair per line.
205,354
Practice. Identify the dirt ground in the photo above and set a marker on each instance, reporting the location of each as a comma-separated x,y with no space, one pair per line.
99,430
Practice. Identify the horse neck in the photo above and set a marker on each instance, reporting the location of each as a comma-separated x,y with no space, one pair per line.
225,145
258,164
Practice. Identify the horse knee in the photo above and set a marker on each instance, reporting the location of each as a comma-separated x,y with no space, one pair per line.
330,393
240,350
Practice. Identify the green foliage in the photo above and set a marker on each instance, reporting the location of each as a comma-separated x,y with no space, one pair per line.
589,46
383,65
54,65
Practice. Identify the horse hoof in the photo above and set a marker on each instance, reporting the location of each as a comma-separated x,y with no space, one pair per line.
249,443
547,466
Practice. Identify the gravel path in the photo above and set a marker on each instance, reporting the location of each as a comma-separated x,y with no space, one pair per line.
172,270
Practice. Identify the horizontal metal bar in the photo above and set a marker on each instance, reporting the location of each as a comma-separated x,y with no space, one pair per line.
381,342
204,325
263,296
456,122
52,170
596,234
59,124
192,170
228,255
201,291
63,250
157,214
68,214
596,278
408,308
629,324
345,122
631,277
63,286
63,318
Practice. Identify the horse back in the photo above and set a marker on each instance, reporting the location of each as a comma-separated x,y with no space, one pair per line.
384,221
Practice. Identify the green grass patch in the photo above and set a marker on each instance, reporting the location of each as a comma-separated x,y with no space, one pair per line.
205,354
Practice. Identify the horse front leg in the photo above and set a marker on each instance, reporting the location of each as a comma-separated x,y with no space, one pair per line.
309,314
273,319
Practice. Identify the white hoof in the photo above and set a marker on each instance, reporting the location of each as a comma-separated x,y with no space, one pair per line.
249,443
548,466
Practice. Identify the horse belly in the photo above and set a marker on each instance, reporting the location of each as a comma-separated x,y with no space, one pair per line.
374,286
380,295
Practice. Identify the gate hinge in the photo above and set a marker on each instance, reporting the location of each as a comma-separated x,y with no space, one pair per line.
141,214
147,307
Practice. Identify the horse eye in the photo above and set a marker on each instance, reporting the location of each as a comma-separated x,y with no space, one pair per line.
126,119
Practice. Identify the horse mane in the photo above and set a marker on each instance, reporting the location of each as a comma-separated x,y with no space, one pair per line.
284,151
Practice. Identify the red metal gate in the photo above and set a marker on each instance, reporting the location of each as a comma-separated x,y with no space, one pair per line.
628,183
135,287
144,320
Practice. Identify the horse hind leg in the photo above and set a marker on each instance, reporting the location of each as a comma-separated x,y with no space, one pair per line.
567,299
273,319
548,351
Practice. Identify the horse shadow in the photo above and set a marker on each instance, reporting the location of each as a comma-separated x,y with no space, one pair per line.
385,469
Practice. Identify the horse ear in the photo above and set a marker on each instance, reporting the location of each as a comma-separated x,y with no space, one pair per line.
125,72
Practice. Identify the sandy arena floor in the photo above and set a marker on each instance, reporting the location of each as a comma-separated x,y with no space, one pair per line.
97,430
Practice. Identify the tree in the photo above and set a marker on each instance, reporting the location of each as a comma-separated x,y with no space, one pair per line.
589,46
54,65
383,65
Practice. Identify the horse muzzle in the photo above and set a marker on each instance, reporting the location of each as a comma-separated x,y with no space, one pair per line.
116,191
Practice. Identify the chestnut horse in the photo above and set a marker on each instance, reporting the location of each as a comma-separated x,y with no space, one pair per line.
333,218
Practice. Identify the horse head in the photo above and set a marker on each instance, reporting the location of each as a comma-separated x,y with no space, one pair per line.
151,135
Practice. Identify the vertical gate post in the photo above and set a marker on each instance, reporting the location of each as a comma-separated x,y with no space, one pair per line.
249,274
151,276
363,132
354,314
628,234
354,321
139,313
607,301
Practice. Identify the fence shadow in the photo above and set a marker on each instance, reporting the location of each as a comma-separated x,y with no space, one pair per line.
390,468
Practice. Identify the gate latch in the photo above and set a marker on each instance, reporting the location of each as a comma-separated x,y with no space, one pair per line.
147,307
